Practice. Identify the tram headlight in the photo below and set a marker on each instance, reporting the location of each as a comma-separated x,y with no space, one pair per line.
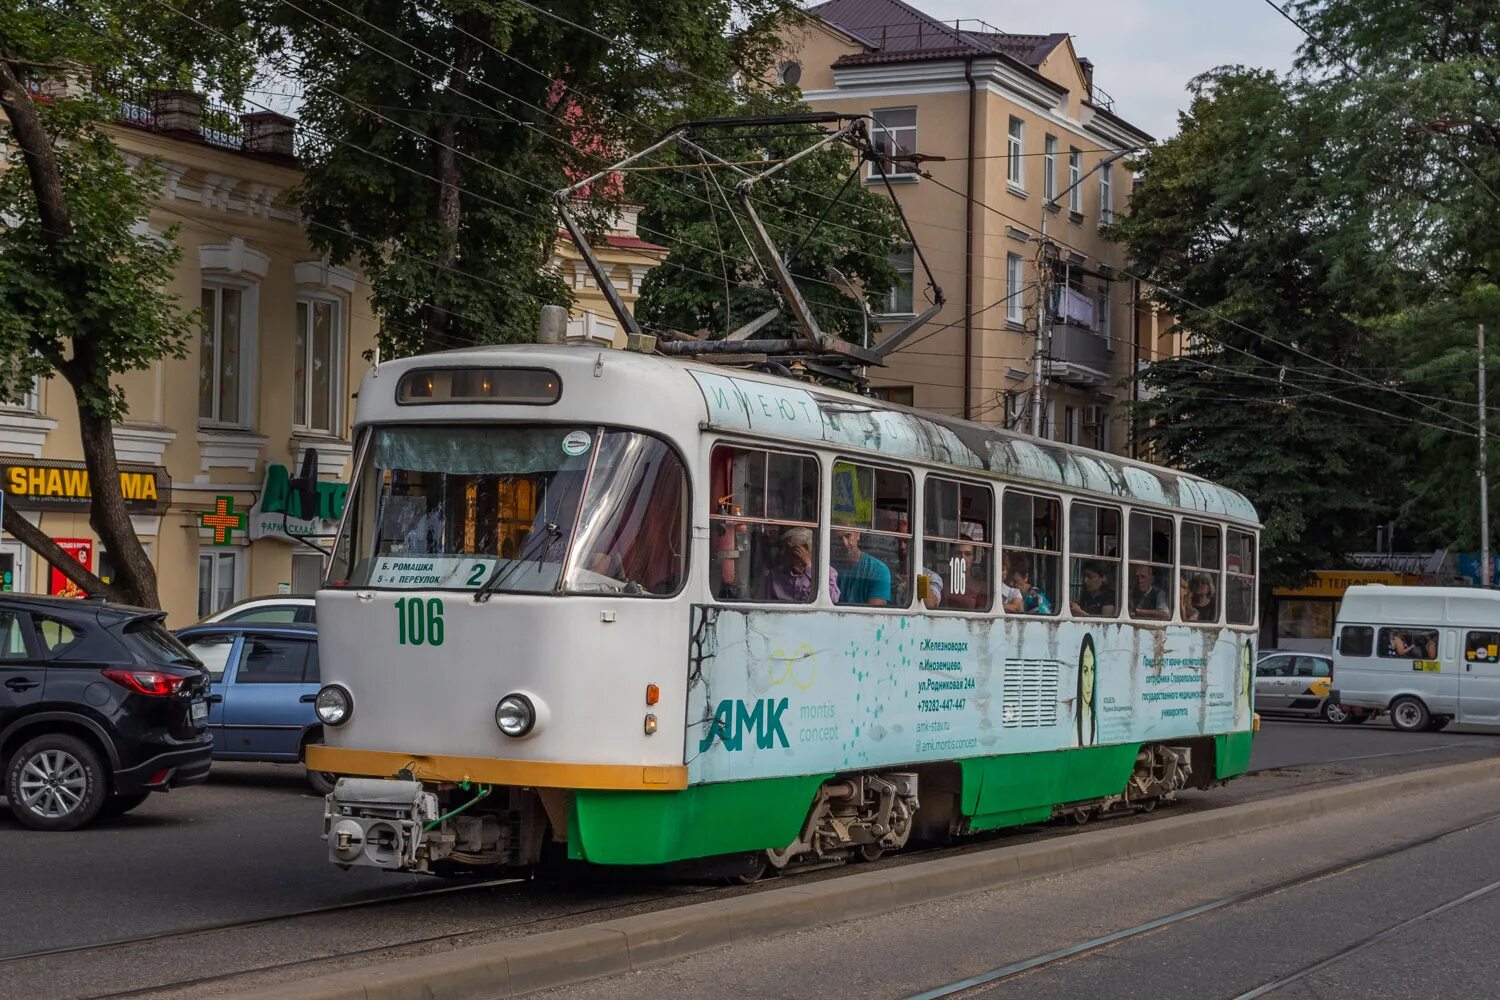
334,705
515,715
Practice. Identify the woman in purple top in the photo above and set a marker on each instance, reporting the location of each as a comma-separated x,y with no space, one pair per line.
792,581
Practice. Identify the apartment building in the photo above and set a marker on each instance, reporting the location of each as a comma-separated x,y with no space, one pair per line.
1014,139
285,340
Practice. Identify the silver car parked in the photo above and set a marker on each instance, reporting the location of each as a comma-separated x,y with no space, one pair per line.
1301,684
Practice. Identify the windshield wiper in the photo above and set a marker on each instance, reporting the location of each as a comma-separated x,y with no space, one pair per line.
551,532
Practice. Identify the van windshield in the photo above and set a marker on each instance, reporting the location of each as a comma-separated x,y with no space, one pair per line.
445,507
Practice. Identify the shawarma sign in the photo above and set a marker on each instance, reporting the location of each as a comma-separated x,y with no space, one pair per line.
43,485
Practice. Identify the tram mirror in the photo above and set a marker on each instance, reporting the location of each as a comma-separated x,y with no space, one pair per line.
304,485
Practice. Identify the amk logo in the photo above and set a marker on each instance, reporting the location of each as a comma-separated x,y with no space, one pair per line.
734,718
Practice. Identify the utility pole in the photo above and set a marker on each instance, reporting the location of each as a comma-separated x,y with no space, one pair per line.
1484,478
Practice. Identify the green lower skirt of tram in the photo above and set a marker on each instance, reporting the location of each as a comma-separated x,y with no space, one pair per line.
649,828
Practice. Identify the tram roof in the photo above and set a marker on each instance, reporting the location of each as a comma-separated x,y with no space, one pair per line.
769,406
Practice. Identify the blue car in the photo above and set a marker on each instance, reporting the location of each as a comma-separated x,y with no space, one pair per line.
263,682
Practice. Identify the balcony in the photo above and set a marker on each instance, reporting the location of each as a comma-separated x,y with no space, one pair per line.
1079,355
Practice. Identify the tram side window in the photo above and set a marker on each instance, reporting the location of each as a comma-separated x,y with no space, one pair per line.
1409,643
1151,590
763,526
1033,549
872,534
958,547
1094,560
1239,585
1202,579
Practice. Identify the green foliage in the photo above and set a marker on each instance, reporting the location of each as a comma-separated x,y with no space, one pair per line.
713,279
1334,226
502,105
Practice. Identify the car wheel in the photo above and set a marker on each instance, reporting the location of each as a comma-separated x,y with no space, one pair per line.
1409,715
119,805
1439,722
1335,713
56,782
1358,718
322,782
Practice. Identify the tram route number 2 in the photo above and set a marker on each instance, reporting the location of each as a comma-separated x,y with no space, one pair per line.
419,622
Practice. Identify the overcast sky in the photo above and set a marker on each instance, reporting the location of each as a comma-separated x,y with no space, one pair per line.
1145,51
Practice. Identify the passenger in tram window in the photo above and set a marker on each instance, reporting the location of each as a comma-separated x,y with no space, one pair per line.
1146,599
1095,598
975,593
1011,600
1204,604
1033,600
791,579
863,579
1185,600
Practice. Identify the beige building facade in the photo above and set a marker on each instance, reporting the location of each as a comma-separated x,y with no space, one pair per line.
1010,123
269,375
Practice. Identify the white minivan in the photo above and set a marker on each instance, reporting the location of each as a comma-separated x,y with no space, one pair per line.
1426,655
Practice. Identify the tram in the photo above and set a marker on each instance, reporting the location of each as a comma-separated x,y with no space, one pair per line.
636,611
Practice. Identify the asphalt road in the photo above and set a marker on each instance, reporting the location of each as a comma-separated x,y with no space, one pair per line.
1392,900
246,847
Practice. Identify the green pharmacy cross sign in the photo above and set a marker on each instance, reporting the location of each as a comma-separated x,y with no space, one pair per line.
223,520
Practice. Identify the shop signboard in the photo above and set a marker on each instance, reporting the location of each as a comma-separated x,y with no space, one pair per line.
65,486
279,512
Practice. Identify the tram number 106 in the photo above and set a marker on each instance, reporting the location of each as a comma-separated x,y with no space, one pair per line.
419,622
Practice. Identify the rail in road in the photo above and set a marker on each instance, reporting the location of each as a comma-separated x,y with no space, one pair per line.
969,985
195,954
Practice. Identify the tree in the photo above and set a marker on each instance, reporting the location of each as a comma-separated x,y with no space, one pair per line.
81,292
714,278
439,131
1234,214
1326,240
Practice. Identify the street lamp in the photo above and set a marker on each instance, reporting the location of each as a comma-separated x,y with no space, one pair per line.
1044,320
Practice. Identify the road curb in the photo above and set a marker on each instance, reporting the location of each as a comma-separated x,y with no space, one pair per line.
559,958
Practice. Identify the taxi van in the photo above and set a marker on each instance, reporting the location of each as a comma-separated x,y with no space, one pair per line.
1426,655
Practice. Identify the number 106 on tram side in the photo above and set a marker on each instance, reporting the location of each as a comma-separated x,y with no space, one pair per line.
637,611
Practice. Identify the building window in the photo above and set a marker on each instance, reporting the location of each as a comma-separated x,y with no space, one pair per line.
1106,196
1095,429
222,368
1071,424
1103,314
218,580
898,301
1049,168
1013,276
1016,145
317,360
1075,181
902,395
791,73
894,134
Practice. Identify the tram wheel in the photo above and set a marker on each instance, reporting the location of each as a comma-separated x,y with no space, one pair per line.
1149,804
871,852
1081,815
756,872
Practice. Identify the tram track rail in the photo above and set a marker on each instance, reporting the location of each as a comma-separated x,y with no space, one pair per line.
972,985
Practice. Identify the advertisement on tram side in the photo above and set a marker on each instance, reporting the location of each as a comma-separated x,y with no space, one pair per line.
775,693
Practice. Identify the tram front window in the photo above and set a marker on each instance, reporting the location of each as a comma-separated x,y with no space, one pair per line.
443,507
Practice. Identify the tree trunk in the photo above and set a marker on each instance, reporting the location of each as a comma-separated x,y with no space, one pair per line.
135,577
437,320
136,582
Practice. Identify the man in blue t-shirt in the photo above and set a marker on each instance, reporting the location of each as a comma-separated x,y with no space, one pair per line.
863,579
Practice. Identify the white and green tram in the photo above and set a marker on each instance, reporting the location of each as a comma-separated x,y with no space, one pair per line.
640,611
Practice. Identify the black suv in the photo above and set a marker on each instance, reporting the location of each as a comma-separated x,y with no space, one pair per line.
99,706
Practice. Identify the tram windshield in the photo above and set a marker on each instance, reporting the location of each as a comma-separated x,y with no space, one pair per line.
526,509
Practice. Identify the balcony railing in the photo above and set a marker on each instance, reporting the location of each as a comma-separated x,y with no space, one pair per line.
1079,355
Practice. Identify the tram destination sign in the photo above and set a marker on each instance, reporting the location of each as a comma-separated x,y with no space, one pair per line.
46,485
